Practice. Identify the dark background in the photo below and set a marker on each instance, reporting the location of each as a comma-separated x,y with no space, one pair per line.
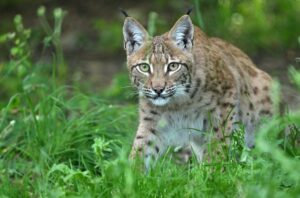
92,33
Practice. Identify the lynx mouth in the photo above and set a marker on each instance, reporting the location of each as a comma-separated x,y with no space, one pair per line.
159,96
160,101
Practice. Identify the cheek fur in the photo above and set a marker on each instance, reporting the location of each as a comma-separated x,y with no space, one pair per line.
181,78
138,79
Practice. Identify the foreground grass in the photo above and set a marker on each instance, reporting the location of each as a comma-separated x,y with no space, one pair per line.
54,145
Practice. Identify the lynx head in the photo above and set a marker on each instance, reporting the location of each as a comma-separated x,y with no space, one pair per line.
160,67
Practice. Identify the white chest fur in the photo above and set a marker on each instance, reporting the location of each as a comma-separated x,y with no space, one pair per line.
178,128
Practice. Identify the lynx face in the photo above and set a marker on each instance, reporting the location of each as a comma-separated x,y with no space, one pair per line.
160,67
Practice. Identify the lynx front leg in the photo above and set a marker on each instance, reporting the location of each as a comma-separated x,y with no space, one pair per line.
147,144
223,123
197,143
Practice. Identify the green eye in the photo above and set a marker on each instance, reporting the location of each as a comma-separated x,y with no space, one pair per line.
173,66
144,67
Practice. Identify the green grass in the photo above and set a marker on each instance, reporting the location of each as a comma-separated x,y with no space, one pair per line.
62,146
56,141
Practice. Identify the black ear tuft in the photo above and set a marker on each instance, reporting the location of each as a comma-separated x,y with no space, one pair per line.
189,11
123,12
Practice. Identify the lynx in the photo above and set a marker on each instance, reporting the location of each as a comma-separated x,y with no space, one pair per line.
187,80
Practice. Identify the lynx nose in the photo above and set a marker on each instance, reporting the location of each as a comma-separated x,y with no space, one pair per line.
158,90
158,86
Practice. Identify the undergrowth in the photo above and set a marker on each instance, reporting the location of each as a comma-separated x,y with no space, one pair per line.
56,141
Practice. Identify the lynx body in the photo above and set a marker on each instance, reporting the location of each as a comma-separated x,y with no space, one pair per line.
189,83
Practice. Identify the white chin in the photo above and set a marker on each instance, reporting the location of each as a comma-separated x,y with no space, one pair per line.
160,101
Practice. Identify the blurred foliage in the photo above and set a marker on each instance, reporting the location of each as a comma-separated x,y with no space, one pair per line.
256,25
252,25
53,36
20,73
7,3
15,73
120,90
110,38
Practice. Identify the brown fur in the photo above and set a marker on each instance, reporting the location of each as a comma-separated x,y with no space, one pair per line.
218,81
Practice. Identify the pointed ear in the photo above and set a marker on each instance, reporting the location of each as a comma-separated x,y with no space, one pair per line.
134,35
182,33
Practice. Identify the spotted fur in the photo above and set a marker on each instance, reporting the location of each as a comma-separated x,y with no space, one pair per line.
192,81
